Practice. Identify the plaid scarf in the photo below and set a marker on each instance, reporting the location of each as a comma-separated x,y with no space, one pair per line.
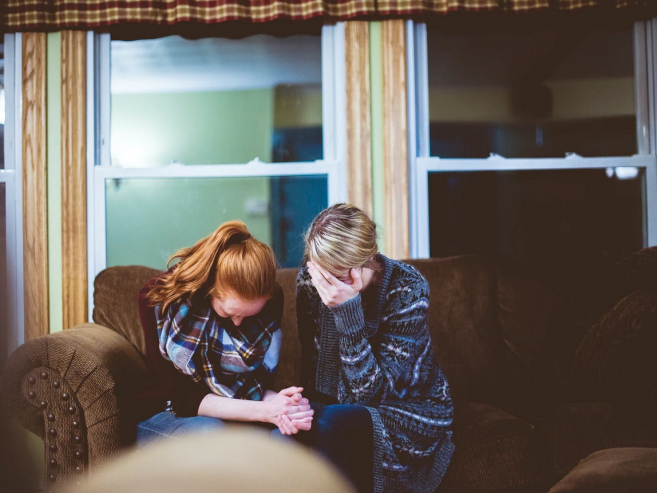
236,362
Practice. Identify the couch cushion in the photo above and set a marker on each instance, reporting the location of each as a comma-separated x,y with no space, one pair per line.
618,354
115,300
525,311
463,322
616,470
569,432
495,451
289,366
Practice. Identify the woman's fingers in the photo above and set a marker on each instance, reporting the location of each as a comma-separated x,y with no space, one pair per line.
325,291
318,276
303,424
301,415
331,279
297,409
289,425
283,426
290,391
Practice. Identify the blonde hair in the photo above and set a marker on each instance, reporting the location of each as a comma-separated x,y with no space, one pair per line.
234,260
341,237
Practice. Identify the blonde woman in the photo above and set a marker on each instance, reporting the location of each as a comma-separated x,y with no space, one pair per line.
383,406
212,331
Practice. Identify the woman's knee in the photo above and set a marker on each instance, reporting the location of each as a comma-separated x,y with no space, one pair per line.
166,425
198,423
339,418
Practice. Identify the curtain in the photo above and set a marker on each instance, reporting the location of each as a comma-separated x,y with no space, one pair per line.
52,15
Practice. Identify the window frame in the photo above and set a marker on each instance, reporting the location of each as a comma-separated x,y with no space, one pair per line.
11,176
421,163
99,168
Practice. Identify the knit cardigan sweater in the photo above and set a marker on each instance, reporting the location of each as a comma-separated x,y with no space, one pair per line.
381,357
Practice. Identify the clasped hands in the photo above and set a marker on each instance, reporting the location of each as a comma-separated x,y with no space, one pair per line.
289,410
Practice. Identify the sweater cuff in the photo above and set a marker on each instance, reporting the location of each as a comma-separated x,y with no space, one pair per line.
349,317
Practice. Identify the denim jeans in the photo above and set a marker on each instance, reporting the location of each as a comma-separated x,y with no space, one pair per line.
343,433
168,425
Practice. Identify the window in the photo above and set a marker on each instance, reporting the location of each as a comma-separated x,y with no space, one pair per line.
527,145
4,323
532,94
11,271
191,133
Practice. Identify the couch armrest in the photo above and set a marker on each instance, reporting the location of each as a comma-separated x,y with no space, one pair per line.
74,389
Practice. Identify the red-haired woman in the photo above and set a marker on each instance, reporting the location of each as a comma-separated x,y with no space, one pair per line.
212,331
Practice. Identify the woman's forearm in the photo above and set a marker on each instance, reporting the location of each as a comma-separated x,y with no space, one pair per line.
234,409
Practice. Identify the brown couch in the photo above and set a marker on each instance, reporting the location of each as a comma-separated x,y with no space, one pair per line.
528,406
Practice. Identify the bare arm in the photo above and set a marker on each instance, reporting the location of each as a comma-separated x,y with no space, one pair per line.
234,409
287,403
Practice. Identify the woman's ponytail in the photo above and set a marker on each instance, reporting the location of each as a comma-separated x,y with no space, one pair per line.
199,263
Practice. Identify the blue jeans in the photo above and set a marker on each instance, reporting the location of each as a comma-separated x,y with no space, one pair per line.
168,425
343,433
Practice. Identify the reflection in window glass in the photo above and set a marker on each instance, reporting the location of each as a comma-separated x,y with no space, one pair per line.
567,218
216,101
4,322
532,94
150,219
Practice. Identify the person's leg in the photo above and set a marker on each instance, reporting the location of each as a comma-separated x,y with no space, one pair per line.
168,425
343,434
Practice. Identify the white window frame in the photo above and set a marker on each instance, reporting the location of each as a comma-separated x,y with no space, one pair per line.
11,177
421,163
99,168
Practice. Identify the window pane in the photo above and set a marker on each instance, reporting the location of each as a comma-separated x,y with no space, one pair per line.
2,106
532,94
568,218
150,219
216,101
4,322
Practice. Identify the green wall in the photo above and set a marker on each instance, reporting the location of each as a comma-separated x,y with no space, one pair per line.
219,127
54,155
149,219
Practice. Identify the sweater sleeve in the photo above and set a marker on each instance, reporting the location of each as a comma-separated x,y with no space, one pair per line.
372,367
169,384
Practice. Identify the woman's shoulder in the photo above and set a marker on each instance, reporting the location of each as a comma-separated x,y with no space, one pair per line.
160,277
305,288
403,275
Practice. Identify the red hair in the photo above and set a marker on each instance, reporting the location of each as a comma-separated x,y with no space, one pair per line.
234,260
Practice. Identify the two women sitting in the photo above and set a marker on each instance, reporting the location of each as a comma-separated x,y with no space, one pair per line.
372,398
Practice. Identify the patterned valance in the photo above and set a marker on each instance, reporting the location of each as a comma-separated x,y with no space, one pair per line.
51,15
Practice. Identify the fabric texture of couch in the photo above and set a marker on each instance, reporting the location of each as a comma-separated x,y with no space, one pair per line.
528,404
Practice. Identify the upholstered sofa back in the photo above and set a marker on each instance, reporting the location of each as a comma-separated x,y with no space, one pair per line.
480,318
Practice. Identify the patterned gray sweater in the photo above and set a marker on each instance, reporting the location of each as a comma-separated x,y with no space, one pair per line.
381,357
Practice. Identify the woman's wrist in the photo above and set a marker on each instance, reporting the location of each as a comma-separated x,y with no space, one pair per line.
349,316
268,415
269,395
